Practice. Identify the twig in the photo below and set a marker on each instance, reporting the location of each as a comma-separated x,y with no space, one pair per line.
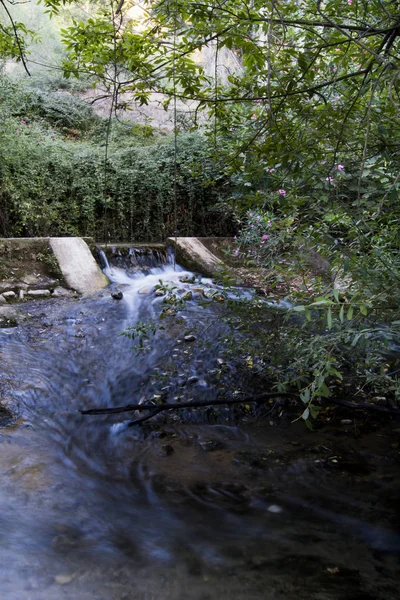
19,44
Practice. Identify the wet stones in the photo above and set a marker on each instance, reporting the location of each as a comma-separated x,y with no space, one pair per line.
2,300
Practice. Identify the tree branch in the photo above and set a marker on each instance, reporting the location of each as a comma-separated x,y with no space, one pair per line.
261,398
21,53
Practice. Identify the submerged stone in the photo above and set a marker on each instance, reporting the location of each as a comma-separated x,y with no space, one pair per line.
117,295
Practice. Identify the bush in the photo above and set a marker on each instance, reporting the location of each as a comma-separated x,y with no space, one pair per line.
55,180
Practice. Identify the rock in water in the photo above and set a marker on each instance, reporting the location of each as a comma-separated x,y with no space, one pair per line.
117,295
190,338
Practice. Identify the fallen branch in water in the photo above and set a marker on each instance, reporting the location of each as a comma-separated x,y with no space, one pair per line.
260,399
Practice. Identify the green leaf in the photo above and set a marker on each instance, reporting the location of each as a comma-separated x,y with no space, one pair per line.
325,301
350,313
299,308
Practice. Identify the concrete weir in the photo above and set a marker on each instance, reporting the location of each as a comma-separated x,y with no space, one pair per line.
77,264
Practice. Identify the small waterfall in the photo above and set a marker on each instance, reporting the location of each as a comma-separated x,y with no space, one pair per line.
134,259
105,265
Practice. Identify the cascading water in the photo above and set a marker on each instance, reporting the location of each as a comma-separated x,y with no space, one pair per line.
189,505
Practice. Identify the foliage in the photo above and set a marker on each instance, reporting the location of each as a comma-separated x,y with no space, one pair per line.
53,178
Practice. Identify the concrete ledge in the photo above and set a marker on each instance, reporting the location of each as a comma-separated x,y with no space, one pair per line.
48,263
77,264
192,253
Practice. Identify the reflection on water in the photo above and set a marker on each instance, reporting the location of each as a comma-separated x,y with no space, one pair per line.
197,508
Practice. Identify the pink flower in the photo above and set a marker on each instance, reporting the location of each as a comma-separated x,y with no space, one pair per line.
330,179
269,223
254,117
234,237
349,1
265,237
251,226
258,218
270,170
236,252
23,123
340,167
282,192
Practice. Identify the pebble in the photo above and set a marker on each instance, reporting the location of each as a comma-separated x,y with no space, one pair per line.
63,579
190,338
159,293
346,422
193,379
117,295
167,450
2,299
9,295
211,445
274,508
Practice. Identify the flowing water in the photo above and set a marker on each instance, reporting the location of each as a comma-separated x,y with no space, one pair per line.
198,505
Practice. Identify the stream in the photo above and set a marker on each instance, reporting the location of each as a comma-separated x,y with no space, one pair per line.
199,505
